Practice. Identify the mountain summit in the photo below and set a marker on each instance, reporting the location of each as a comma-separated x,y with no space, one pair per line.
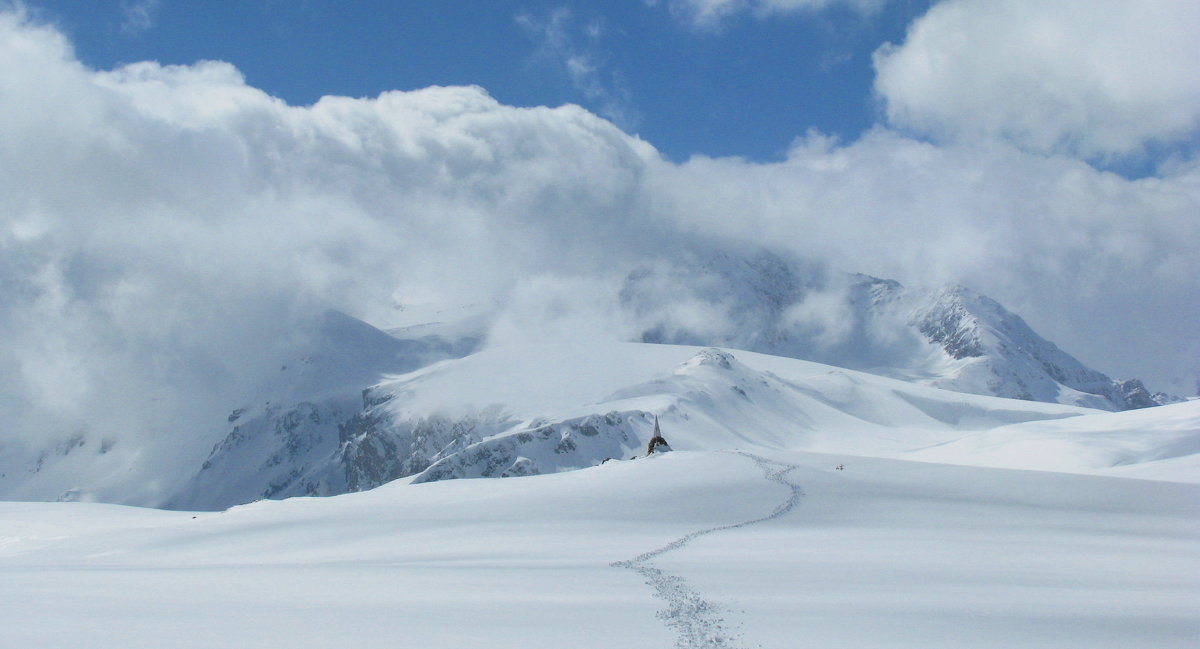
952,337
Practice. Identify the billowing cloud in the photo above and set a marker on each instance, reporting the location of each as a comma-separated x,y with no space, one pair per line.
1092,79
167,232
1100,264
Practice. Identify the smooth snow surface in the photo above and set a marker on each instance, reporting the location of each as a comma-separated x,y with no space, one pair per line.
779,549
1161,443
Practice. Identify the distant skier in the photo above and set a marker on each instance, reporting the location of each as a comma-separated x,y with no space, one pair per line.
658,444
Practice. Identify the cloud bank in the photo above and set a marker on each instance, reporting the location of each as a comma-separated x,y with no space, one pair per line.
168,232
1095,79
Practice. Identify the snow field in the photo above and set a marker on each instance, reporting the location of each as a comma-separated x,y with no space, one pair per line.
901,554
885,553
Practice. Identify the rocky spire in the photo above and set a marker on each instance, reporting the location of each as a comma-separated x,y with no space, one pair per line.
658,444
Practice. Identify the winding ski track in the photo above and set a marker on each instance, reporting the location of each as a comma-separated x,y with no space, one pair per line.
698,621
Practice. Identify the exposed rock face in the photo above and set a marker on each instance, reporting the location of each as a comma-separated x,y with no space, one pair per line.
542,448
276,453
329,448
658,444
952,326
1001,353
316,431
377,448
1135,394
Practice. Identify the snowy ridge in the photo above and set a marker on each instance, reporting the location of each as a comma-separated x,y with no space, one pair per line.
1001,355
541,409
951,338
543,448
359,408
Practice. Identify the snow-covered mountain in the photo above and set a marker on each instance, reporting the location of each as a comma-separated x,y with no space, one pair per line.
952,337
352,407
949,337
794,488
993,351
317,385
538,409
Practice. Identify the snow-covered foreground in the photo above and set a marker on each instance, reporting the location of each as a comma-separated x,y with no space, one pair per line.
688,549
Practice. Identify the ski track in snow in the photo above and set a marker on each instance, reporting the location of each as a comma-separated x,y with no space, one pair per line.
699,621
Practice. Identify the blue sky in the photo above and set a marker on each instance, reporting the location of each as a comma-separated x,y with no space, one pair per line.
747,85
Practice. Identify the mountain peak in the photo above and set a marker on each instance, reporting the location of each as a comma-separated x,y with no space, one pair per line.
951,337
711,357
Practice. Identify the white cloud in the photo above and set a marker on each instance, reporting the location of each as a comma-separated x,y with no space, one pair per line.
166,231
1094,79
555,308
827,315
711,14
1102,265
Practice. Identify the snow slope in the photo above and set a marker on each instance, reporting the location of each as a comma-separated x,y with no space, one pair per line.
714,400
1160,443
544,408
686,549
